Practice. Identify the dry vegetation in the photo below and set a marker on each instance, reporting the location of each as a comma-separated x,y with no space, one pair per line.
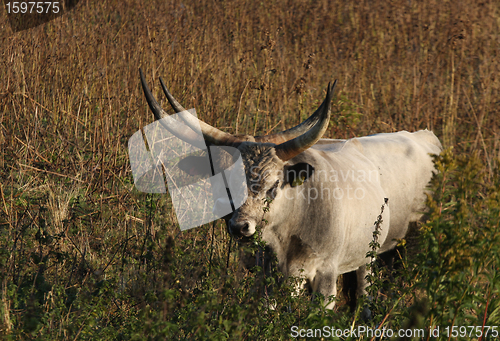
73,228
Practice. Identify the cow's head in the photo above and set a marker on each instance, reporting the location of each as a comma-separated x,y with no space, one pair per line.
270,178
269,165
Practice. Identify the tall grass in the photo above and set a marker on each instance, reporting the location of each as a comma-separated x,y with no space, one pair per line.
86,256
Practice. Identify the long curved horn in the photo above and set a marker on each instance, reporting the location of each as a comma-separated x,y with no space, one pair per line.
287,150
276,138
211,134
176,128
292,133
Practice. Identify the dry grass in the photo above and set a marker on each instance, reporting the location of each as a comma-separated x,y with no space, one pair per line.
70,98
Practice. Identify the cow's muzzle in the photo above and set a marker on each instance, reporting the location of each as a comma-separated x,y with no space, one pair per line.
240,230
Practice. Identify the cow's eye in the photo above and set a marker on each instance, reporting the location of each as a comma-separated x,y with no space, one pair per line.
271,193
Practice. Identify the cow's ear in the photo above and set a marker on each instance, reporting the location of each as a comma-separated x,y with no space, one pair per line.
298,173
195,165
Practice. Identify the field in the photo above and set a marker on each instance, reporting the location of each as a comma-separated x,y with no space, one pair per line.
84,255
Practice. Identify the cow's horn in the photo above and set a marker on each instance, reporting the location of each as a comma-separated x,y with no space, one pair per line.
276,138
292,133
287,150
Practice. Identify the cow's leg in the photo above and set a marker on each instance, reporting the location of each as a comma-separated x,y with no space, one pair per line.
362,283
325,282
361,290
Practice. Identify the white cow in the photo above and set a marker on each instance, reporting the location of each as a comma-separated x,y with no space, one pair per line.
323,196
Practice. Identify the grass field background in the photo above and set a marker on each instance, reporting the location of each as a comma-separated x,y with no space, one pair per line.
84,255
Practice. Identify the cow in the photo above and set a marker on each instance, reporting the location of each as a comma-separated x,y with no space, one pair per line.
316,201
